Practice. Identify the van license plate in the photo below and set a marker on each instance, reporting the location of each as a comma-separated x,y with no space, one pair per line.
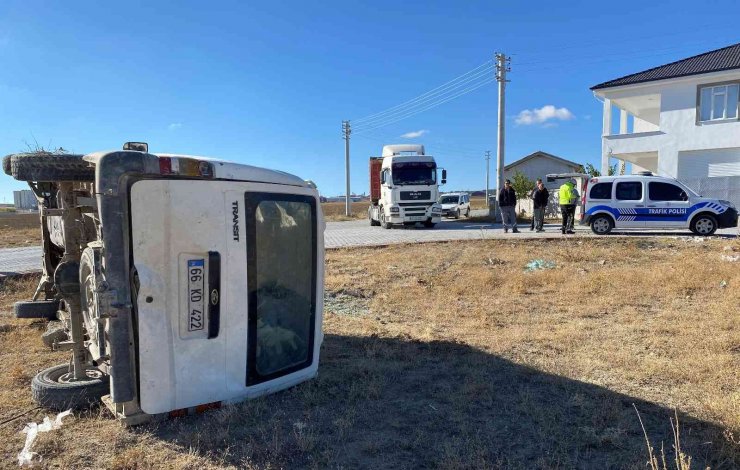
196,284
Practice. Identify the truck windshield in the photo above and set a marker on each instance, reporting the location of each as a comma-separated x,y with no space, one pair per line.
414,173
448,199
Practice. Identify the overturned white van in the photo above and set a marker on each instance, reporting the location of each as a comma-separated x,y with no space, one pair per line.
181,283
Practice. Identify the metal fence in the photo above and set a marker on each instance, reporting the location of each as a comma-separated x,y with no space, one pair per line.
718,187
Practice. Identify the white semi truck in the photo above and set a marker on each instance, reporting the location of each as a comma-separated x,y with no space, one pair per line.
404,188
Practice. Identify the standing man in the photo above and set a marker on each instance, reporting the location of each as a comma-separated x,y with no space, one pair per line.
568,195
540,196
507,203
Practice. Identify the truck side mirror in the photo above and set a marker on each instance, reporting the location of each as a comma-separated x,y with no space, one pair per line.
444,176
382,177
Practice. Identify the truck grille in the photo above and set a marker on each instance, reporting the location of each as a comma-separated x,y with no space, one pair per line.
415,195
415,208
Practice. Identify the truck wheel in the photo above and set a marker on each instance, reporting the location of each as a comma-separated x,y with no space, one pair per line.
704,225
429,224
38,309
50,167
601,225
373,222
386,225
52,388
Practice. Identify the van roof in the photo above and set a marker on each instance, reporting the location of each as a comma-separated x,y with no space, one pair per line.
225,170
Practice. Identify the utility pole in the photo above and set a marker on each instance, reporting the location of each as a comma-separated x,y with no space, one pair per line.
503,65
488,179
346,131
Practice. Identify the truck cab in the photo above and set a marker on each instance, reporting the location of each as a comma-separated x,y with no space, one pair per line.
404,187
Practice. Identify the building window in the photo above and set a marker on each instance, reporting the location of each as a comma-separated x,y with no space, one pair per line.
718,102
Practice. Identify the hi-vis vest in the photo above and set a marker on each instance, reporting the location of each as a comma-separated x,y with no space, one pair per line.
566,195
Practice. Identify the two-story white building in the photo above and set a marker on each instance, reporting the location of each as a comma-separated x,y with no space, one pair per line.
679,120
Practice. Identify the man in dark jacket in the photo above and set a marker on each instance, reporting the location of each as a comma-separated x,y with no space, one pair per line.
540,196
507,204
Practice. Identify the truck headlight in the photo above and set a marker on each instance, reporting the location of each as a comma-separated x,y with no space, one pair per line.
395,209
436,208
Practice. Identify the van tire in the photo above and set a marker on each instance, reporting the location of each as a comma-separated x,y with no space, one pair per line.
6,165
36,309
49,167
602,225
704,225
50,389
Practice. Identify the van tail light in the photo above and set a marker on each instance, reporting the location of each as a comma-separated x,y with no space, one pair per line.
185,167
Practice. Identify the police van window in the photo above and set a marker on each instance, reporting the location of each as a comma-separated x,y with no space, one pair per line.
601,191
666,192
629,191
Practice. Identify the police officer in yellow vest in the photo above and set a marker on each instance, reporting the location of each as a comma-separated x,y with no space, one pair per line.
568,197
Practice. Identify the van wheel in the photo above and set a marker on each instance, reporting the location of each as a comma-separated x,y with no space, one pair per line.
704,225
602,225
50,167
456,215
467,212
55,389
36,309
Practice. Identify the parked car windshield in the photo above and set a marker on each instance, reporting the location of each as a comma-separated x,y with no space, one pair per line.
414,173
448,199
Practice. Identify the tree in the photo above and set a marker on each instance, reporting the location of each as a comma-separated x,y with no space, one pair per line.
522,185
592,171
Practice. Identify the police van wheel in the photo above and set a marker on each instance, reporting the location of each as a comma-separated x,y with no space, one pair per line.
704,225
602,225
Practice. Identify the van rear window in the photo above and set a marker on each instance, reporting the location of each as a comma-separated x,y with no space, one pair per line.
601,191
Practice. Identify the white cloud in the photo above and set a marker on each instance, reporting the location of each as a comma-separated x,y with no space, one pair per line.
414,134
543,114
174,126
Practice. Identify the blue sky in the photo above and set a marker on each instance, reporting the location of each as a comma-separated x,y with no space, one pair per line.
268,84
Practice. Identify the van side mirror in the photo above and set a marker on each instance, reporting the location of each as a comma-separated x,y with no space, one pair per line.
444,176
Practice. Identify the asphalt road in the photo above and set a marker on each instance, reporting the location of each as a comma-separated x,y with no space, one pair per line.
359,233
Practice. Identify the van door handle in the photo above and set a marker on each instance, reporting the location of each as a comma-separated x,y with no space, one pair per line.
639,205
651,206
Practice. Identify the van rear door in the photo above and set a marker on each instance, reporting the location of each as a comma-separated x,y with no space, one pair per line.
228,275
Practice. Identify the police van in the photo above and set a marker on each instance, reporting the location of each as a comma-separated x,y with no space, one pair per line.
647,201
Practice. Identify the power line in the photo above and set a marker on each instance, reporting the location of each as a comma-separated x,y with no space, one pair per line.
430,100
432,105
487,63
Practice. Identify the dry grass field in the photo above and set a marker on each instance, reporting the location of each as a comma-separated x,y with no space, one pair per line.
334,211
19,229
451,356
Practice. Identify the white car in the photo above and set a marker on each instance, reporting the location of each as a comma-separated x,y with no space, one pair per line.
455,204
648,201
